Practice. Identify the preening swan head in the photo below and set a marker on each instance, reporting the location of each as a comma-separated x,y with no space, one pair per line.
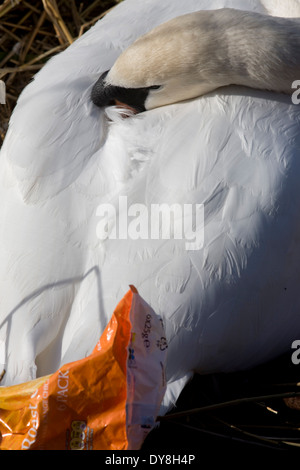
197,53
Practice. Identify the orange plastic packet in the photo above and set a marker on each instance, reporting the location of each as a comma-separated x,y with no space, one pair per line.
106,401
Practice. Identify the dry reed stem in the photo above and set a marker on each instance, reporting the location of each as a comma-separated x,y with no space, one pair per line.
8,5
62,31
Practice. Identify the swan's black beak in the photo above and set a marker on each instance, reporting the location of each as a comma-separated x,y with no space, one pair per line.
104,94
101,93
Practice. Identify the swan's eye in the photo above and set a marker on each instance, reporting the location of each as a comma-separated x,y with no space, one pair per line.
154,87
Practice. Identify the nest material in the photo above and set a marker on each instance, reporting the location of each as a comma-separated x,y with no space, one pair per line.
253,411
32,32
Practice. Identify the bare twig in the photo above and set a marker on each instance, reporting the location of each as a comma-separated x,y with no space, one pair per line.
216,406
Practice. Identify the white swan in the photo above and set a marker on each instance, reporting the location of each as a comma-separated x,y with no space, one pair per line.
229,305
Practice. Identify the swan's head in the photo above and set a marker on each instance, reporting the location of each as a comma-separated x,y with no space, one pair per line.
165,66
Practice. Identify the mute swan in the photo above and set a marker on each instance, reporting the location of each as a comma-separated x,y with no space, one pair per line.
196,53
228,305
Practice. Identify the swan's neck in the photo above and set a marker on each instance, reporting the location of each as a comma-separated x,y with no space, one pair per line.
258,51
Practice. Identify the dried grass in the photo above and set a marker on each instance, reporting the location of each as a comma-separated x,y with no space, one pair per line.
32,32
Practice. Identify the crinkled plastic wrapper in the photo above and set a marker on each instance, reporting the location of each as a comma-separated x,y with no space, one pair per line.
106,401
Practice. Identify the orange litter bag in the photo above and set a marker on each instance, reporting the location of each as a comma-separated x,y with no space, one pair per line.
106,401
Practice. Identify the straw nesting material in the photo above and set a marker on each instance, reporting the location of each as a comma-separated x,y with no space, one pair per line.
32,32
